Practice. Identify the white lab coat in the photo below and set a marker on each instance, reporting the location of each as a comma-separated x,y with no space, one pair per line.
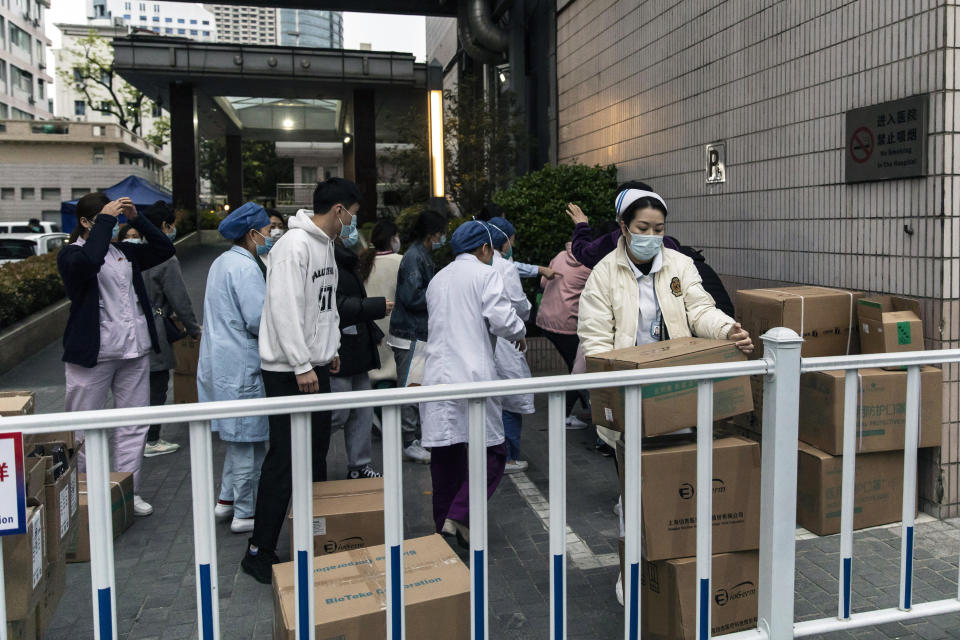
468,310
511,363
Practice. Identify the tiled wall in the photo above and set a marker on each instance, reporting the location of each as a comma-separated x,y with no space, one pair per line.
646,84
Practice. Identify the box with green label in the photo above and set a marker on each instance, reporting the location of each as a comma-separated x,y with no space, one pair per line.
669,406
889,324
881,409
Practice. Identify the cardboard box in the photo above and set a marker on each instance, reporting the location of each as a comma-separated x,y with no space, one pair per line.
877,496
67,437
184,388
24,565
187,352
61,502
35,474
668,500
349,594
669,596
889,324
53,586
672,405
121,504
825,318
17,403
882,409
23,629
347,514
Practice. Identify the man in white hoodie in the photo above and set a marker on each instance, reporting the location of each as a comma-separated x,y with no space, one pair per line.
299,341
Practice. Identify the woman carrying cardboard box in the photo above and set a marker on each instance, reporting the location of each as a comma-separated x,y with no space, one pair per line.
642,292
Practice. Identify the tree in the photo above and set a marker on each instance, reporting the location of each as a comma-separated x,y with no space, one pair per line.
262,168
104,91
482,138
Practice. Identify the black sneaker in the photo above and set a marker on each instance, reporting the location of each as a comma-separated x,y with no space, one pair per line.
366,471
260,566
604,449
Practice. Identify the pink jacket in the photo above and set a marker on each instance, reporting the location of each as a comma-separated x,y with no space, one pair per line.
560,303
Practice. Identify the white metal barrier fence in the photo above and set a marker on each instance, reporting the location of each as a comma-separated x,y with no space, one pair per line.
781,366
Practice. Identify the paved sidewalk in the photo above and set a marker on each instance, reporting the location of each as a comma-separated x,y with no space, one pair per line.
155,572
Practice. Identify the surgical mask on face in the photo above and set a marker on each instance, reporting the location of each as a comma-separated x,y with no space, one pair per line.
134,240
172,235
351,240
440,243
395,244
276,232
348,230
264,249
116,231
508,254
645,247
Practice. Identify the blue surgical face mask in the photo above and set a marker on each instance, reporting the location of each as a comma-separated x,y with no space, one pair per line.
645,247
347,230
172,234
264,249
134,240
440,243
116,230
508,255
351,240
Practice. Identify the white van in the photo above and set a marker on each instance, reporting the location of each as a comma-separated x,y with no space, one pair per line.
19,246
23,226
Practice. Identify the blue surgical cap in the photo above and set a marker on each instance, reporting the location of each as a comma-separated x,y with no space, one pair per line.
242,219
469,236
501,230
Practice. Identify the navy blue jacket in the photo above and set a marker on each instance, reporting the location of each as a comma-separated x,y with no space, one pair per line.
79,266
409,317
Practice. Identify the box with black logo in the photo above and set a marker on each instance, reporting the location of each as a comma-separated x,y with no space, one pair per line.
347,514
668,593
669,490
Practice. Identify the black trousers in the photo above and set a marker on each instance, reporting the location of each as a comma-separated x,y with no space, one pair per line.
159,380
567,345
276,485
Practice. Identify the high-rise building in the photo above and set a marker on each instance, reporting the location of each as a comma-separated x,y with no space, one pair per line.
179,19
245,25
24,80
310,28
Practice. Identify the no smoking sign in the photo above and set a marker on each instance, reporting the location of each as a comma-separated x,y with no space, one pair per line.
861,145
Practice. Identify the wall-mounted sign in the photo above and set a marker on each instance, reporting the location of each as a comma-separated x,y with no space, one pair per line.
13,494
716,162
887,141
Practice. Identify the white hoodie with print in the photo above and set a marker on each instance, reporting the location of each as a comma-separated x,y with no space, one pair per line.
300,325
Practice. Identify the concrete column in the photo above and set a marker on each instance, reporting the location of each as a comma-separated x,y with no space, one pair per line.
234,171
365,151
183,146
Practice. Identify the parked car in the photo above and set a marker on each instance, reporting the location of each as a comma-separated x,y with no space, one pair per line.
24,226
18,246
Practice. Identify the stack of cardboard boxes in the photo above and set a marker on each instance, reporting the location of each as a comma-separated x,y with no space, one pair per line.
350,576
835,322
35,562
669,488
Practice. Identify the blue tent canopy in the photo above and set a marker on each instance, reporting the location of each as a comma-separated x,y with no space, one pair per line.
143,193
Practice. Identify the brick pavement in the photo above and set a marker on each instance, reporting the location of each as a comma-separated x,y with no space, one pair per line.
155,573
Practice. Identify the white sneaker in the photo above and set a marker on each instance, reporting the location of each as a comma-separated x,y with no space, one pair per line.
223,510
241,525
620,588
159,448
616,508
514,466
573,422
141,507
449,528
415,452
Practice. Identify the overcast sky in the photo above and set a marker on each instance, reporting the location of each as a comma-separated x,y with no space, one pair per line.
383,32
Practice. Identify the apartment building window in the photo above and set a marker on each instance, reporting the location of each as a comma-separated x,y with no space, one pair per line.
22,80
27,193
193,32
156,110
156,8
127,16
143,18
50,193
40,89
206,34
77,74
7,193
181,31
104,107
79,108
20,39
308,175
3,114
105,77
168,30
156,18
143,6
98,153
78,192
126,5
206,22
180,21
193,22
20,114
168,19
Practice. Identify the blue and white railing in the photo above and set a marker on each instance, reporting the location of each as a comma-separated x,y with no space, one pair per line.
781,367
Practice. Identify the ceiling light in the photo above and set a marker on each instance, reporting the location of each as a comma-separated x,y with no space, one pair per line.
287,123
503,77
346,140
